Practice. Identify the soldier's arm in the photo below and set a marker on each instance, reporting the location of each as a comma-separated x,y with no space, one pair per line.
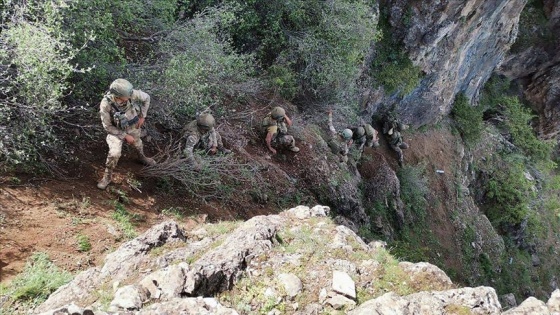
192,140
213,140
268,141
143,98
106,121
288,120
331,127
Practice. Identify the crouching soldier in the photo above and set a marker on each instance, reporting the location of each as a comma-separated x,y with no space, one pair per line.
123,111
201,134
339,142
365,136
392,129
275,125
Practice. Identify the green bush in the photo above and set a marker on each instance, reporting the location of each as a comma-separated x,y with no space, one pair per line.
468,119
508,192
200,69
38,280
391,66
414,188
35,65
518,118
515,118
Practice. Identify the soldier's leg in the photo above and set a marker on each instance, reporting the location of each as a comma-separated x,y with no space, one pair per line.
139,146
400,156
115,149
288,142
221,144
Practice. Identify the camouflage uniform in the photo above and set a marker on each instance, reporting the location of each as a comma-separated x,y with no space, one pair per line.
368,139
338,144
201,139
136,107
392,128
279,129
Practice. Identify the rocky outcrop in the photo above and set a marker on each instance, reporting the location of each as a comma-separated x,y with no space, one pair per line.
456,44
269,263
536,65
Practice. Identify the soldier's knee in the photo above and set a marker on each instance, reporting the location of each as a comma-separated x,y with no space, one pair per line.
403,145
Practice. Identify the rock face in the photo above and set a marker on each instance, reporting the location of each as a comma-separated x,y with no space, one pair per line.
246,272
536,65
456,44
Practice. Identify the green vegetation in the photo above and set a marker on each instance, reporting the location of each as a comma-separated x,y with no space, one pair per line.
125,220
39,279
391,66
515,118
84,244
508,192
468,119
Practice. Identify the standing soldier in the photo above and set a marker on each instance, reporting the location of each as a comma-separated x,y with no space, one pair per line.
201,133
339,142
276,124
392,129
123,111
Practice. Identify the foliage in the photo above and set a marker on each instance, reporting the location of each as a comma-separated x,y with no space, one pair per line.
391,66
125,221
35,63
468,119
414,188
515,118
508,192
523,135
112,30
198,68
84,245
39,278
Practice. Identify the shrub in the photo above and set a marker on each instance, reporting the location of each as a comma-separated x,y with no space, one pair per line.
468,119
508,192
35,65
515,118
414,188
391,66
200,69
517,122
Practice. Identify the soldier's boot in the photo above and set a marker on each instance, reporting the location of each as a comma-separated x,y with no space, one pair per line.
223,150
293,147
106,180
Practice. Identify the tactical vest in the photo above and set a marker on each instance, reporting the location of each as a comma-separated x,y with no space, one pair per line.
118,113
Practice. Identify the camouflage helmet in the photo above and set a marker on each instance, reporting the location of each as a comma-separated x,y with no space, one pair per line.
360,131
347,134
121,88
277,112
206,121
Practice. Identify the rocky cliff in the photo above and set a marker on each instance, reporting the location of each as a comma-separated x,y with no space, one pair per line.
456,44
297,262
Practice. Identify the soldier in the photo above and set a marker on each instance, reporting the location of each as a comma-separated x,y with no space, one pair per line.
201,133
123,111
339,142
365,135
276,124
392,129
